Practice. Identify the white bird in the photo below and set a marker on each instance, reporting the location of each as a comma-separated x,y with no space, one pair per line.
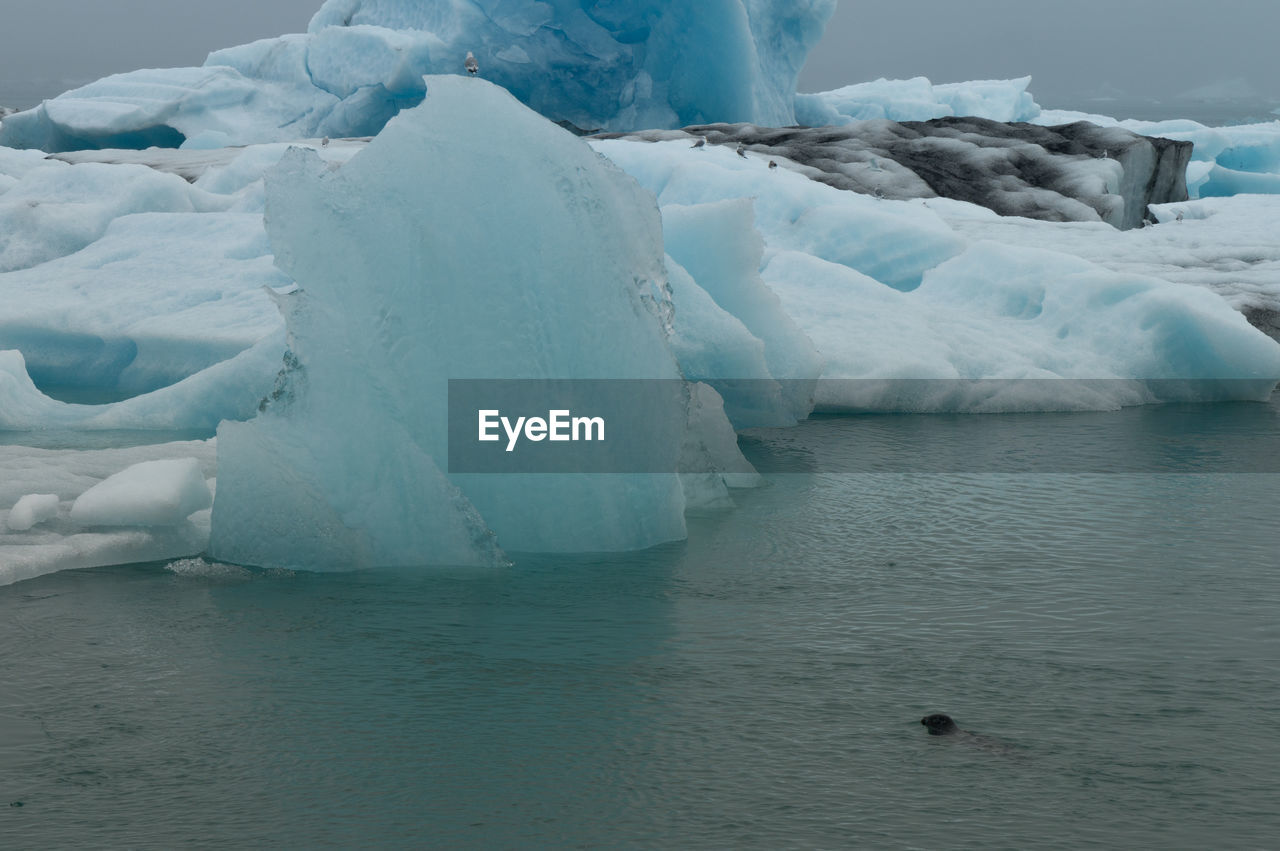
1179,217
742,150
473,67
324,143
700,143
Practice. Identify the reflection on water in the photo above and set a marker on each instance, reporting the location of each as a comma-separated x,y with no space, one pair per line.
760,685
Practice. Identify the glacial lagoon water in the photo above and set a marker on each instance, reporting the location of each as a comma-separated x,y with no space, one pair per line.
758,686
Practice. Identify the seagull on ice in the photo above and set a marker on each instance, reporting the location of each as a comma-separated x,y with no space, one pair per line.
324,143
700,143
742,150
473,67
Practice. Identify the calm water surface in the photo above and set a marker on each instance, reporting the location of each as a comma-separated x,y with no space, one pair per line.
760,686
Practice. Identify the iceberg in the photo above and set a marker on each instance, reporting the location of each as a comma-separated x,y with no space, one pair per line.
618,66
1073,172
435,255
918,99
1225,161
925,292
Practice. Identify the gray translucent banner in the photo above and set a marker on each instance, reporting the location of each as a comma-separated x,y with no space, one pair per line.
639,426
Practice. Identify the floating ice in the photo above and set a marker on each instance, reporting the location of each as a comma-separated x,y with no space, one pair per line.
1225,245
911,298
413,275
150,493
1225,161
58,543
918,99
31,509
719,246
622,65
1074,172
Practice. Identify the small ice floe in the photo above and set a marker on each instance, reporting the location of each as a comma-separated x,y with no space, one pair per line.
198,568
150,493
31,510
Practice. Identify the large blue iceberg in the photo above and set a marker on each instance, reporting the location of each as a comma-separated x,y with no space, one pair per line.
593,65
435,255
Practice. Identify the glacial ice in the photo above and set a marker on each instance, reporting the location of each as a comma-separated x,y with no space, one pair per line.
1074,172
911,298
1226,161
32,509
549,249
58,543
718,245
149,493
918,99
147,277
623,65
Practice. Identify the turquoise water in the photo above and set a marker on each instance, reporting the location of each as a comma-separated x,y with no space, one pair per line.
759,686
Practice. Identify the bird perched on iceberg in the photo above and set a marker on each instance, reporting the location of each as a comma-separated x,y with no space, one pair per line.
473,67
742,150
700,143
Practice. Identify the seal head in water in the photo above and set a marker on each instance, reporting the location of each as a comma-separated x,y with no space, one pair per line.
940,725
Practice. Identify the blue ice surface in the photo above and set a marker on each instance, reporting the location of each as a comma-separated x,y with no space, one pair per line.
539,260
615,66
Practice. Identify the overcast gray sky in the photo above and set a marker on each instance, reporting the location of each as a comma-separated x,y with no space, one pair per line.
1073,48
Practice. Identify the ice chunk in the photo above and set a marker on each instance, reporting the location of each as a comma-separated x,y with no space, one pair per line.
718,245
918,99
151,493
896,243
997,312
31,509
532,259
59,209
298,493
163,107
231,389
60,544
711,449
1225,245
